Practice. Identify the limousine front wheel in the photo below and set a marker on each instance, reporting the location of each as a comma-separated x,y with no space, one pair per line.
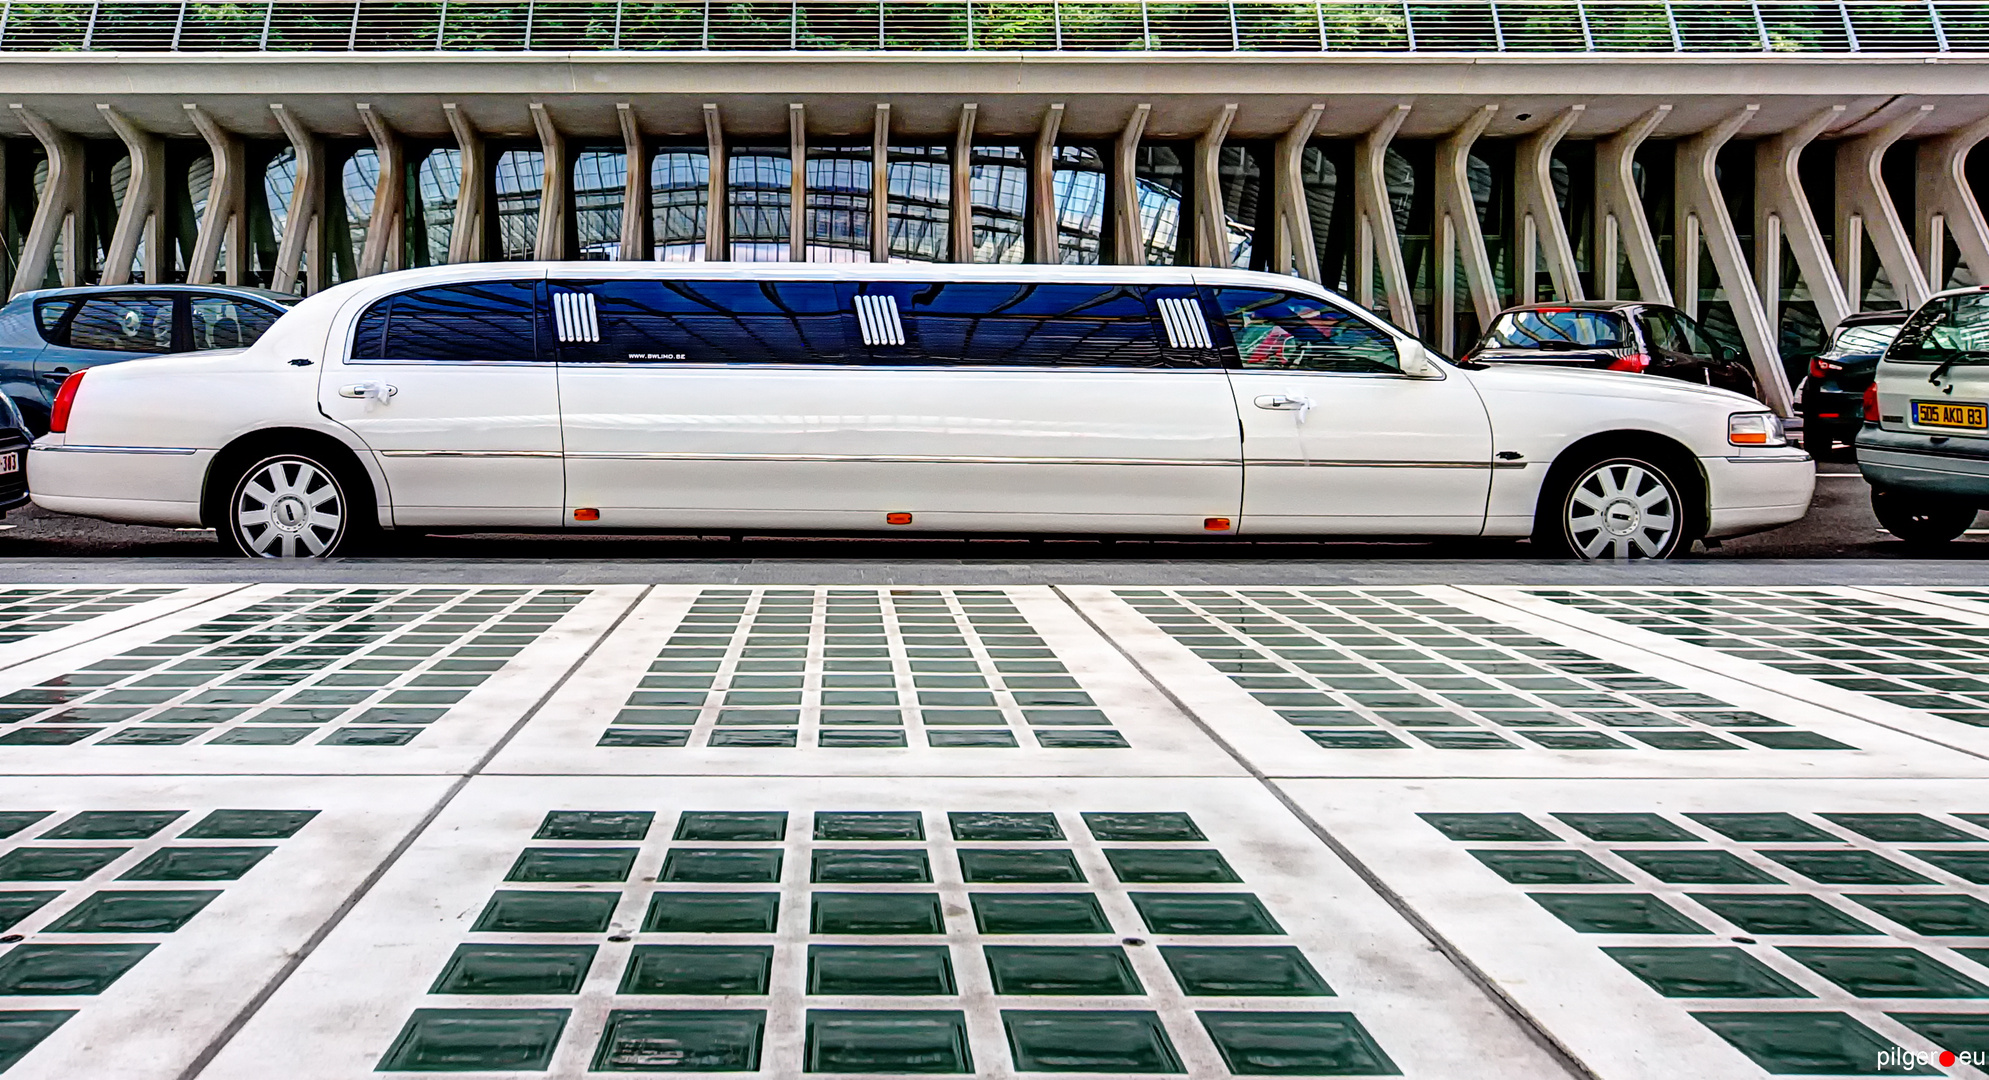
1619,508
288,506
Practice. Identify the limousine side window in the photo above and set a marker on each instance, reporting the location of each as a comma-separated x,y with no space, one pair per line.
488,321
1280,331
1026,324
698,322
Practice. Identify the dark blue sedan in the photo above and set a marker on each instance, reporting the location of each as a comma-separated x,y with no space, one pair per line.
47,335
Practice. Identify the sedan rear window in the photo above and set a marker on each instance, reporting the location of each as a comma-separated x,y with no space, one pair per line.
1558,328
1946,330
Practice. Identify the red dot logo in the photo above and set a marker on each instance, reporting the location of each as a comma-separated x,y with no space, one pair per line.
1947,1058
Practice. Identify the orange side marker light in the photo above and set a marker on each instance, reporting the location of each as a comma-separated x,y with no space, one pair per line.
898,519
1216,524
586,513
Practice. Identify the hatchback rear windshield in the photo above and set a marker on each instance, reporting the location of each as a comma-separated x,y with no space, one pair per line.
1867,340
1946,330
1558,328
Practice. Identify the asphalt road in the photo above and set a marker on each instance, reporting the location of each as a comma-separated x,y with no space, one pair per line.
1839,525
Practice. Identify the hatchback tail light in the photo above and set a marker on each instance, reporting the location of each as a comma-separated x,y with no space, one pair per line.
1871,404
65,400
1820,368
1637,362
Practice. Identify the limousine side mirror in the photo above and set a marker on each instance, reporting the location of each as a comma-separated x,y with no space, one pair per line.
1416,362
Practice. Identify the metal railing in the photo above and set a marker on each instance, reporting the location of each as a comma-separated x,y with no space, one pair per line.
1219,26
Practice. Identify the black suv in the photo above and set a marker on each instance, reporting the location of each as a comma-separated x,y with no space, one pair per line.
1618,335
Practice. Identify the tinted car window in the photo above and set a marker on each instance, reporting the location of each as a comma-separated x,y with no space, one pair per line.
1673,332
133,323
1952,329
1869,339
710,322
48,317
1562,327
1281,331
224,322
1024,324
493,322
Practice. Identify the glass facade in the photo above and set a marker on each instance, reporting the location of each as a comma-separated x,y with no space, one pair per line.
1162,174
759,187
679,182
521,179
1000,183
921,202
438,181
1079,189
600,180
838,211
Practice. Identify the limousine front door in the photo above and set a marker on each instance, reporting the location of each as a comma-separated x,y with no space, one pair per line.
741,404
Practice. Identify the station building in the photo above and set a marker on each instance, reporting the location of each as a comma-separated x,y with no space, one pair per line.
1769,167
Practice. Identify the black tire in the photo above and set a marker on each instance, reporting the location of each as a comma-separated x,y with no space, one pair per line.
1921,520
293,505
1616,507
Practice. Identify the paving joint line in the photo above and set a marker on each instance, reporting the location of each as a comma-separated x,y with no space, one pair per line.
1534,1029
254,1005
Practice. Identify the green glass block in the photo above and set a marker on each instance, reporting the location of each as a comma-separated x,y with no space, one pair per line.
1936,915
55,864
1296,1044
1171,826
130,912
875,913
1204,913
962,717
548,912
1626,828
1968,865
1140,866
895,1042
1697,867
712,913
1780,913
1089,1041
1548,868
1903,828
681,1040
197,864
515,969
1886,973
995,825
1047,969
1713,972
754,737
847,867
21,1030
151,737
1038,913
1241,971
1950,1031
721,864
1355,740
698,969
471,1040
113,825
629,737
50,970
858,738
980,866
1794,740
1488,827
1852,867
595,825
1807,1043
990,737
577,864
1617,913
15,906
880,969
1763,828
873,825
732,827
13,821
1575,740
355,736
49,736
1072,739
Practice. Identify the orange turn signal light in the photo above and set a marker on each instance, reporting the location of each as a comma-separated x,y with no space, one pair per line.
586,513
1216,524
898,519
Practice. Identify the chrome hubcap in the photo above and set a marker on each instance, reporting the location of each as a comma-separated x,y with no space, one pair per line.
289,509
1621,510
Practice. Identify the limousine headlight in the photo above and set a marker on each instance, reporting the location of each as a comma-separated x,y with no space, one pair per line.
1756,429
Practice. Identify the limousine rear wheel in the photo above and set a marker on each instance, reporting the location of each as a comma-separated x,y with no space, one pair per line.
288,506
1618,508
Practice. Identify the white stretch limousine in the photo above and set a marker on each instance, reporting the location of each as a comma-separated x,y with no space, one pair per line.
893,398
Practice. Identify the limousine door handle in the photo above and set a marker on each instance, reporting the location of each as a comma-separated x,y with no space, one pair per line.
378,391
1280,401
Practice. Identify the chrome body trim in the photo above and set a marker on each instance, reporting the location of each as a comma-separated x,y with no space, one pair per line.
164,451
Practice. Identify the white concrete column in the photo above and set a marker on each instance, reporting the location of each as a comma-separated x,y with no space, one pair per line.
1458,232
141,221
1782,212
1374,225
1208,215
1543,232
1864,208
304,222
224,228
1699,200
636,244
59,211
468,235
1943,202
880,185
715,208
383,228
1292,248
1128,242
797,183
961,242
1619,213
1043,187
556,192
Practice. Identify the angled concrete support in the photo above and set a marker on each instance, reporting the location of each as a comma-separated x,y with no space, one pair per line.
1292,248
555,191
1374,225
797,183
961,247
1704,211
1210,217
1128,240
58,213
224,227
1459,233
141,221
384,227
1946,205
880,185
467,235
1782,212
1043,188
1619,214
304,222
1543,232
715,249
635,239
1865,208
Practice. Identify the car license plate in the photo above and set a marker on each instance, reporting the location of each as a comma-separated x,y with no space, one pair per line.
10,462
1942,414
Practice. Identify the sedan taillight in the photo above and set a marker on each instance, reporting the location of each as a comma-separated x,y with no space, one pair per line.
65,400
1871,404
1636,362
1820,368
